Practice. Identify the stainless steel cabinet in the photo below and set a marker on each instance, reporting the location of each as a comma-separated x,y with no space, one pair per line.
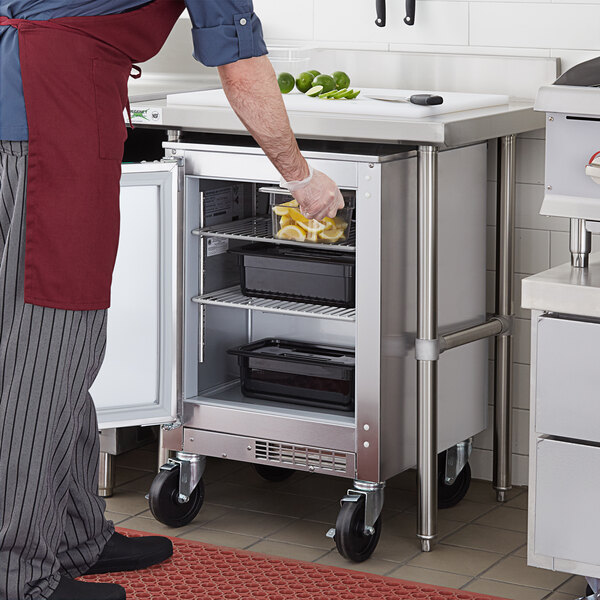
564,521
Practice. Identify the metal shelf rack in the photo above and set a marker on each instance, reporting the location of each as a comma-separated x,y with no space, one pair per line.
232,297
260,229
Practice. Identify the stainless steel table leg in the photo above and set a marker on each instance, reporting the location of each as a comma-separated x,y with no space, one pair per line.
163,453
504,308
427,350
106,476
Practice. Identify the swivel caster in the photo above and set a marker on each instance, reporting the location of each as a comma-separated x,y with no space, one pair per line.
272,473
451,490
177,492
351,539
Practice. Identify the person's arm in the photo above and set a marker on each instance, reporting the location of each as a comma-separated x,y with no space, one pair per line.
252,90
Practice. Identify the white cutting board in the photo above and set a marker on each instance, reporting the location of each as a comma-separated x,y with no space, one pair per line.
361,106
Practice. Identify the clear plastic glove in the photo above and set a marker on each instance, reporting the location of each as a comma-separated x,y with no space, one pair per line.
317,195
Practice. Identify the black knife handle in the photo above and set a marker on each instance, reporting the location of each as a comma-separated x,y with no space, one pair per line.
426,99
380,5
409,19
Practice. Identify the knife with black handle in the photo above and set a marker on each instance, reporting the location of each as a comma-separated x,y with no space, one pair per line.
420,99
409,19
380,5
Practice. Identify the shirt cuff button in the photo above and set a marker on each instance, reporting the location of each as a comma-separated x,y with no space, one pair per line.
243,21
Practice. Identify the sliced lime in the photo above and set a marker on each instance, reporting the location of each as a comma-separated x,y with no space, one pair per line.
340,94
314,91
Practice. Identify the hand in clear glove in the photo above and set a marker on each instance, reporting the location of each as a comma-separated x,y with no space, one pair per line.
317,195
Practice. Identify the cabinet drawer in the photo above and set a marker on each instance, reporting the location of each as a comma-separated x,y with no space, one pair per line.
567,519
568,379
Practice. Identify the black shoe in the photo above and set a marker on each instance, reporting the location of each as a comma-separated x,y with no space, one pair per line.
70,589
129,554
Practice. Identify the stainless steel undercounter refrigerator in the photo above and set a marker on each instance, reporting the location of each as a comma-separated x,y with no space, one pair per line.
300,355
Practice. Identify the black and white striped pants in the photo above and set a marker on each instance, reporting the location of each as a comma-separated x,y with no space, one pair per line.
51,518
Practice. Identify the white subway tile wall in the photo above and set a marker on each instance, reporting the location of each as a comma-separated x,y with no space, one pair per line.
567,29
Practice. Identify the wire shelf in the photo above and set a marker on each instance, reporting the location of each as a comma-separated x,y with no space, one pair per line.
260,229
233,297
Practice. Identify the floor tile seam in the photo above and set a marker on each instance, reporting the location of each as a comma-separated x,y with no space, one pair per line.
479,575
136,478
332,551
262,512
202,525
411,557
449,545
499,528
535,587
463,587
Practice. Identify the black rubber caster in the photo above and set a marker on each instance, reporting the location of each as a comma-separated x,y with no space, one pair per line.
351,541
164,502
451,495
271,473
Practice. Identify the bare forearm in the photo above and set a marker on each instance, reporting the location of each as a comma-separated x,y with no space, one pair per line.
251,88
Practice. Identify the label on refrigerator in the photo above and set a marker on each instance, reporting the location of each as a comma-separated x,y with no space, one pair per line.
223,204
143,114
216,246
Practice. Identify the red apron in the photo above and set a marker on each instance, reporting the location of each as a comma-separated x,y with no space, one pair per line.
75,73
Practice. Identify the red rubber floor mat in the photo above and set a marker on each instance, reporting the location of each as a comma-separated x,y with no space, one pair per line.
199,571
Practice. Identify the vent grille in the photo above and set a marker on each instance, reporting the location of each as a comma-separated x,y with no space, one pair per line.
301,456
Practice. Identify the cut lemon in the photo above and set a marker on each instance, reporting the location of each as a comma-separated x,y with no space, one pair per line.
280,210
297,215
313,226
340,223
293,203
286,220
329,223
291,232
331,235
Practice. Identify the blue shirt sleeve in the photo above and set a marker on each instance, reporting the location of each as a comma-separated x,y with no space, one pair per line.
225,31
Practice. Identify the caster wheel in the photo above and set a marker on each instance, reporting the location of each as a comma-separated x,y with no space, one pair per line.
351,541
274,474
164,503
451,495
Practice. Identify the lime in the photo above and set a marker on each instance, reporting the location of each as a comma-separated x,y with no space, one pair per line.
341,79
326,81
352,95
286,82
314,72
304,81
315,91
340,93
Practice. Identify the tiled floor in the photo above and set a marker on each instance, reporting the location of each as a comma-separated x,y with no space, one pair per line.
482,545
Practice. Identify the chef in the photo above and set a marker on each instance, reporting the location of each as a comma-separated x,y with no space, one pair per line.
64,67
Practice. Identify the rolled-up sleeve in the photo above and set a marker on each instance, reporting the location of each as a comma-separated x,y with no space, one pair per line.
225,31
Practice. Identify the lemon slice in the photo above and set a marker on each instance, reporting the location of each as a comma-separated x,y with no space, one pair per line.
328,222
340,223
331,235
285,220
280,210
313,226
291,232
293,203
297,215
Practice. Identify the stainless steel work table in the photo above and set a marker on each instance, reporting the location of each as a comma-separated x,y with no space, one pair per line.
430,136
